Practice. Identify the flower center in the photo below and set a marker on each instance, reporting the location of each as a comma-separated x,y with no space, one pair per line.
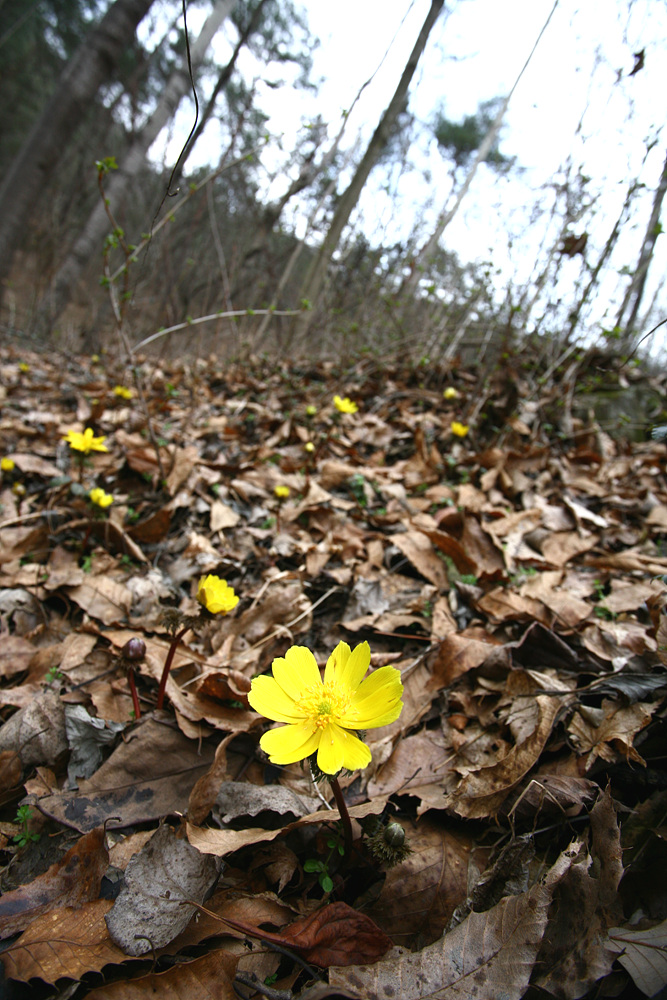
322,704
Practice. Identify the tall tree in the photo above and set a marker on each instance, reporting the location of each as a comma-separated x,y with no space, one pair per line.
315,275
93,64
635,289
486,150
89,242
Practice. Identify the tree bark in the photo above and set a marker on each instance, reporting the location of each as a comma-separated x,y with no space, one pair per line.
429,248
316,273
636,286
92,64
89,243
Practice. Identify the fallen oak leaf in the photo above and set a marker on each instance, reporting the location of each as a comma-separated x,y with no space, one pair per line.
337,934
64,943
72,881
207,978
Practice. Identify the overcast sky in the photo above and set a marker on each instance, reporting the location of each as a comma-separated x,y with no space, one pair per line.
576,100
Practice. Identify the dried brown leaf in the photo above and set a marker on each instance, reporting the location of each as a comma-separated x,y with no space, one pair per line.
418,549
15,655
149,775
643,953
208,978
154,906
482,792
73,880
102,598
489,954
37,732
204,792
63,943
576,954
419,895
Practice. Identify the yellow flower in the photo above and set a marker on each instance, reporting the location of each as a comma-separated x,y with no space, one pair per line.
95,358
216,595
7,464
311,410
309,447
122,392
19,490
345,405
85,442
99,497
321,715
282,492
451,393
23,367
459,429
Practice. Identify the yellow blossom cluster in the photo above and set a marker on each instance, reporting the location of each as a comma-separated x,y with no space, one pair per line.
100,498
322,715
282,492
216,595
7,464
85,442
122,392
345,405
458,429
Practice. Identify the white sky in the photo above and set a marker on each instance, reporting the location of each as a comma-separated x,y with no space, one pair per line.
575,100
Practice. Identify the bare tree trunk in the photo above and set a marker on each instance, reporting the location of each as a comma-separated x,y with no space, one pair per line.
89,243
92,64
348,201
429,248
575,312
636,286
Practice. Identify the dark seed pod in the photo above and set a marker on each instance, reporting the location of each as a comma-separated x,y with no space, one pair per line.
394,835
388,844
133,650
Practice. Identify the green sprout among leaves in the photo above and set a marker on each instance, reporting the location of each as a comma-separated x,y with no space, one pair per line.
356,484
313,865
25,837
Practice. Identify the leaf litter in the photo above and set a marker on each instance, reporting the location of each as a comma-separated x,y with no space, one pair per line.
515,576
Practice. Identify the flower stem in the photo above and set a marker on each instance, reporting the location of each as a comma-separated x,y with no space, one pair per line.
344,814
133,691
167,666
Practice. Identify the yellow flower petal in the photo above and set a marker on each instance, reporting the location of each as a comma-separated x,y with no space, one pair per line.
268,698
288,744
356,666
377,702
336,663
339,749
296,671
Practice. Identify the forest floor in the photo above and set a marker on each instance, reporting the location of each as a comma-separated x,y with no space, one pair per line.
507,556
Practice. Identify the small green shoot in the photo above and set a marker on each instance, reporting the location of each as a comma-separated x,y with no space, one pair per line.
25,837
312,865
